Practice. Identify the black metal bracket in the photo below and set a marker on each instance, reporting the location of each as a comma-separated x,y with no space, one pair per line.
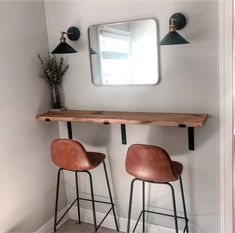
70,132
123,133
190,138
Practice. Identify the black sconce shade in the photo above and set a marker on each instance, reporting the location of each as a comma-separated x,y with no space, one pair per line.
173,38
92,51
73,33
63,47
177,22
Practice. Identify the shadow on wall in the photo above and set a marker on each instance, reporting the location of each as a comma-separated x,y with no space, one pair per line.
175,139
92,134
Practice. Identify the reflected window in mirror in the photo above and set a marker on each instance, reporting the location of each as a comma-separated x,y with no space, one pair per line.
124,53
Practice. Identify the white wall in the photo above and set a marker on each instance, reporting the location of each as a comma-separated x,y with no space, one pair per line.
189,83
27,175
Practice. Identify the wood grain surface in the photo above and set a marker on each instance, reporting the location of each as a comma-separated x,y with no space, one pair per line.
114,117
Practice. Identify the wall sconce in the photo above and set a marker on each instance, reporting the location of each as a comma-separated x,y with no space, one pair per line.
73,33
177,22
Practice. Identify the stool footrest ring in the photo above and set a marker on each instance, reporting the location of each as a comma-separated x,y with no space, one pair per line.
159,213
66,212
86,199
104,202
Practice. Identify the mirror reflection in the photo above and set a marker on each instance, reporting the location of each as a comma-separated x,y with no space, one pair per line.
124,53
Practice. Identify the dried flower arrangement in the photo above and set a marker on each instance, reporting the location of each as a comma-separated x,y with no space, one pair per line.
53,70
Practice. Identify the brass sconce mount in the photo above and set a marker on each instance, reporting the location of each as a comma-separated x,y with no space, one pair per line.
179,20
73,33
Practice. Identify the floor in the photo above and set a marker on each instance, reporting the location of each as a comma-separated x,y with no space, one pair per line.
71,226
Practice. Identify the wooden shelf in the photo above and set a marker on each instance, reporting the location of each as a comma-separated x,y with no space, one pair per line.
113,117
108,117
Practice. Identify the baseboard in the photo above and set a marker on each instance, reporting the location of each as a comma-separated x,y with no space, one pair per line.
86,216
48,226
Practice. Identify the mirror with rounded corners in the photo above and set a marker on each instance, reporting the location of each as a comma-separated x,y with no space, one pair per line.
124,53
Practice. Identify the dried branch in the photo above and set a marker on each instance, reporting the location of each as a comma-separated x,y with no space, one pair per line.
53,71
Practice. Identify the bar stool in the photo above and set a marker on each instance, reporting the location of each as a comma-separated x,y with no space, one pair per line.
70,155
152,164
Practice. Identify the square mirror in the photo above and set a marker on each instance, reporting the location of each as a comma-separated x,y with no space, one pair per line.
124,53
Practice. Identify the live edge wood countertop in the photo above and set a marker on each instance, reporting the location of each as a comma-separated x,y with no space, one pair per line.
115,117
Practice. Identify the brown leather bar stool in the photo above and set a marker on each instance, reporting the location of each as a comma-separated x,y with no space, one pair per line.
152,164
70,155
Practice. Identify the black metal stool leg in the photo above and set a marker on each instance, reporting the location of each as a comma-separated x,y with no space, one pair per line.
110,196
57,197
92,201
184,206
130,205
143,206
78,206
174,208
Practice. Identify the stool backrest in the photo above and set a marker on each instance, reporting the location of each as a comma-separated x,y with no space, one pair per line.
150,163
69,154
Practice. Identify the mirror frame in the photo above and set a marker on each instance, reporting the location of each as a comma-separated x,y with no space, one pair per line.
121,22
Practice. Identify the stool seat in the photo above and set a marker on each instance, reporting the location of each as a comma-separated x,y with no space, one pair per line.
95,158
148,163
178,168
71,155
152,163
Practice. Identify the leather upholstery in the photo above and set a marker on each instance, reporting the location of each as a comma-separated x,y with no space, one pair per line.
71,155
152,163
